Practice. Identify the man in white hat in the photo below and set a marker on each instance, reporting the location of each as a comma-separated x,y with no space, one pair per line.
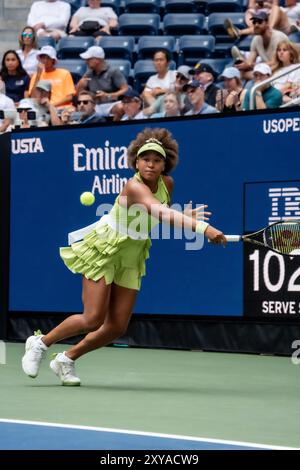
62,85
106,82
267,96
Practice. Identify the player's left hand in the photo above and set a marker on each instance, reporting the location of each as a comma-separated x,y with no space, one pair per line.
199,213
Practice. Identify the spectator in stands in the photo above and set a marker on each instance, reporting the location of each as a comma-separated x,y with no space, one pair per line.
14,76
284,19
264,43
28,50
182,78
162,81
266,97
62,86
26,115
195,92
106,82
93,20
69,116
286,59
49,18
6,104
230,98
41,102
132,105
86,105
206,75
172,105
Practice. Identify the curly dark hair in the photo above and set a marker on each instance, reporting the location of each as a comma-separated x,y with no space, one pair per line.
165,137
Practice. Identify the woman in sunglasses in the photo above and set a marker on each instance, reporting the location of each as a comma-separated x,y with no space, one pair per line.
28,50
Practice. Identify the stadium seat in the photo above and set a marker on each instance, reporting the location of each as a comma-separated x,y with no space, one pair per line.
178,24
138,24
114,4
216,24
217,64
74,4
147,45
193,48
201,6
142,6
77,67
123,65
46,41
180,6
245,43
224,6
143,69
70,47
216,28
295,37
118,47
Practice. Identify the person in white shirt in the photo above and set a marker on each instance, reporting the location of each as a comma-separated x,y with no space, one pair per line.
287,59
6,104
161,82
49,18
93,20
28,50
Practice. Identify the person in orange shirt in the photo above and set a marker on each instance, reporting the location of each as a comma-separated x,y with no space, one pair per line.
62,85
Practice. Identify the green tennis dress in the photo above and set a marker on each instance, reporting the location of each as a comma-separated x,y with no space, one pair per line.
113,249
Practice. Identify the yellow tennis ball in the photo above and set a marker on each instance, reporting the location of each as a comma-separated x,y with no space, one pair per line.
87,198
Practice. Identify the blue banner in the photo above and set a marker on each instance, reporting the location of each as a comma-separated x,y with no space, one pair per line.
50,168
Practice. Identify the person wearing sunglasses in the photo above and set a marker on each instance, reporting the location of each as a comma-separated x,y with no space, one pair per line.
28,50
263,45
285,19
86,106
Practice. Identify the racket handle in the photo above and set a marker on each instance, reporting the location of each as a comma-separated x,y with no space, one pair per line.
233,238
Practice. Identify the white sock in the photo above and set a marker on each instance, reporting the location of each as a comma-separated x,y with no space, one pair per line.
65,358
42,344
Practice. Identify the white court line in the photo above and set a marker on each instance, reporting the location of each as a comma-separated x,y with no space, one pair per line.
149,434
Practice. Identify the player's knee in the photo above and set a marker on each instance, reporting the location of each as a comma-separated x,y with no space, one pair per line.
92,324
117,329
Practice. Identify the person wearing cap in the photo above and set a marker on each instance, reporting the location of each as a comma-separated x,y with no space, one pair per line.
284,19
62,85
195,93
267,96
264,43
40,102
157,109
111,256
106,82
49,18
132,105
93,20
206,75
24,120
230,98
163,81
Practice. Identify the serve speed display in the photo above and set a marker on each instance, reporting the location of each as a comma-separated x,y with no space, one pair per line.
271,281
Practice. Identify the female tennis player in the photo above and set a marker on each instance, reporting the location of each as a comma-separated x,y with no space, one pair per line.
111,258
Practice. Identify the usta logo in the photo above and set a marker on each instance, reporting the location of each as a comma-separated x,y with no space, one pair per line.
31,145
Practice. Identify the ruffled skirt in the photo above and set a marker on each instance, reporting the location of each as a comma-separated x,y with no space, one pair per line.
106,253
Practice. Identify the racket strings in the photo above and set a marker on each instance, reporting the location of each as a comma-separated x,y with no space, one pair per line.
285,237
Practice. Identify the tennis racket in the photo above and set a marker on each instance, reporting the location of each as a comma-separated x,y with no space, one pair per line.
282,237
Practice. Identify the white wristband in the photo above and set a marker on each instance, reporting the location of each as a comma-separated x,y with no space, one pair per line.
201,227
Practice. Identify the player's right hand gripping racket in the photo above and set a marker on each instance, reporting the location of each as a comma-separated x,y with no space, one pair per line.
281,237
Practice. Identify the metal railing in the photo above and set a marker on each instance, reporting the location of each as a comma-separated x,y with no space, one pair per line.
259,85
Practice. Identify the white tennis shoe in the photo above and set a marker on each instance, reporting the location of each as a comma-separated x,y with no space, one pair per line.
64,368
34,353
